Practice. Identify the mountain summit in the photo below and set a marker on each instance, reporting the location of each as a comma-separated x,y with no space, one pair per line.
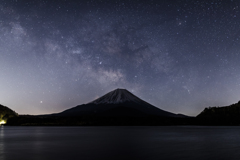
117,103
116,97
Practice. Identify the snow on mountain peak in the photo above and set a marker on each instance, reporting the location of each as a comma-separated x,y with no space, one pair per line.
117,96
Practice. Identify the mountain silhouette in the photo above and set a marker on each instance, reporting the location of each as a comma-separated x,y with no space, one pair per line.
116,108
6,113
119,102
226,115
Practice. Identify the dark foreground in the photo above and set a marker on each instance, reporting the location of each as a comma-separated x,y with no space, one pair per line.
118,143
27,120
97,121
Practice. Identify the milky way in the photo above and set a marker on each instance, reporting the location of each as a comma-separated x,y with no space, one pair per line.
180,56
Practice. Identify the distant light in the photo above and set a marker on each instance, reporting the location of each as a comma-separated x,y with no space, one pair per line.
2,122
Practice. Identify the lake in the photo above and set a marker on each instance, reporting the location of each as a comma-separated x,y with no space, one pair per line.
115,143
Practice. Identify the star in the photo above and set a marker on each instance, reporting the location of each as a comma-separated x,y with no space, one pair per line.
142,46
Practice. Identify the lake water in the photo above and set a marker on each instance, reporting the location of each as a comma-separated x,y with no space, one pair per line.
115,143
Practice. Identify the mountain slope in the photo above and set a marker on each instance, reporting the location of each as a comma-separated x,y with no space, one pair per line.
6,113
119,102
227,115
226,111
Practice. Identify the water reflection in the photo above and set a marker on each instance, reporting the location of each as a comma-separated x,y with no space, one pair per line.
38,142
2,155
89,143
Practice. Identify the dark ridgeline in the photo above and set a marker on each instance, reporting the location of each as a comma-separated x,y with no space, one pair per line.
228,115
6,113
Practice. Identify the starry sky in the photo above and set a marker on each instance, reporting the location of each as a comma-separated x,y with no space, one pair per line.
180,56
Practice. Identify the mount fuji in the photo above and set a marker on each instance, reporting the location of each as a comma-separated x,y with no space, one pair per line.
117,103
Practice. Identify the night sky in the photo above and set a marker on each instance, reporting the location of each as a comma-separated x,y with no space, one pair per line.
180,56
